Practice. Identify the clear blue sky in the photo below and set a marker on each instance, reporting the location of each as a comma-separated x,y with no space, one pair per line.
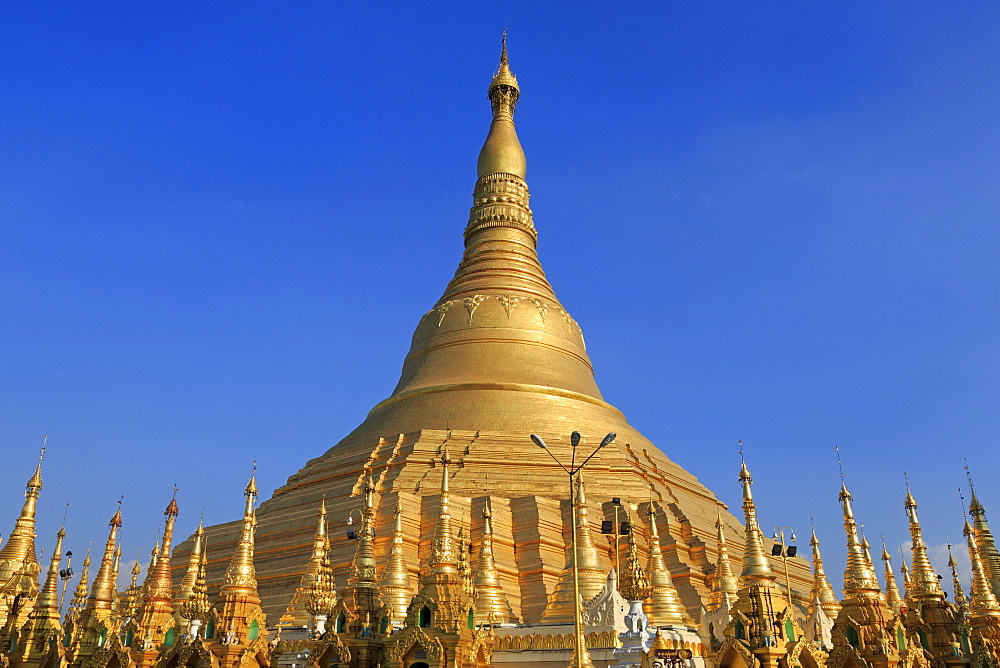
219,225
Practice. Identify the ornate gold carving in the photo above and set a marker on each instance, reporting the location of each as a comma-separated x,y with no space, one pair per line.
508,302
472,303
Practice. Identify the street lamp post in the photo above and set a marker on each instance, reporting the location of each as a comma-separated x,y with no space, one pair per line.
785,553
616,529
582,655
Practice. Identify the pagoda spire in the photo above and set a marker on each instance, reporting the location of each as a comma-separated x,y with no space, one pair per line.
241,576
892,596
984,609
322,596
396,585
43,626
195,609
444,555
491,601
18,559
988,553
103,591
821,590
961,602
924,581
79,599
95,618
155,614
296,613
634,583
756,567
665,606
859,576
130,600
725,584
190,579
240,618
499,304
502,150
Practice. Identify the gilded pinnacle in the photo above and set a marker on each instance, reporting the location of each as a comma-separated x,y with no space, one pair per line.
859,576
395,585
822,591
490,597
665,606
502,152
924,582
756,566
724,581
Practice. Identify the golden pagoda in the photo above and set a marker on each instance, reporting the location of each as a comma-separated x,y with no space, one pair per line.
866,631
96,621
763,626
988,554
42,636
984,610
496,358
19,567
154,619
240,632
933,619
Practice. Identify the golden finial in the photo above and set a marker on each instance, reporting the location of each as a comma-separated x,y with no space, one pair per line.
502,152
36,479
251,489
172,509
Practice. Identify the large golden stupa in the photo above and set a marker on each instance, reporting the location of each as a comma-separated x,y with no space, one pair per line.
495,359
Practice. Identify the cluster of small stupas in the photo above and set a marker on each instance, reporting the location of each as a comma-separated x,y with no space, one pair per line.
478,569
457,615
